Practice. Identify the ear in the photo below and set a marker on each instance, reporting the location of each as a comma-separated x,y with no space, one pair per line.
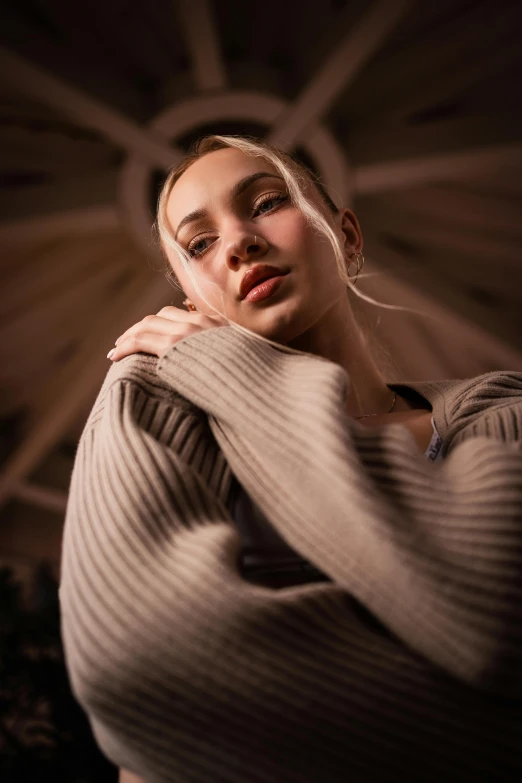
353,239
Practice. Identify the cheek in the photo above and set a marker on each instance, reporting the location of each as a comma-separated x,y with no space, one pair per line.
292,232
180,274
298,236
207,278
184,278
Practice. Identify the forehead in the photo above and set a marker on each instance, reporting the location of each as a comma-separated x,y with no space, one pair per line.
209,180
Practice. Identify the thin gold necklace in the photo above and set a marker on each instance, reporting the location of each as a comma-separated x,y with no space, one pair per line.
378,414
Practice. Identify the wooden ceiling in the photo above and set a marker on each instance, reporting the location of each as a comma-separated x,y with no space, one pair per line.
421,101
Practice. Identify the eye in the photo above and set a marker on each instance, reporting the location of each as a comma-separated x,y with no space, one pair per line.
271,201
197,246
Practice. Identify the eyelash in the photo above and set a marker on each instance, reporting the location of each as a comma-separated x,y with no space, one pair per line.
281,198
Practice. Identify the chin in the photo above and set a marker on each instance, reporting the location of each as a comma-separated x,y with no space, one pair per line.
281,330
281,322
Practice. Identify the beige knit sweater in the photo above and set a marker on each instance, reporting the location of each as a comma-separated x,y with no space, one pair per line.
405,666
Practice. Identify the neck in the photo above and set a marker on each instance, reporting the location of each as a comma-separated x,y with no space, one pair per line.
336,336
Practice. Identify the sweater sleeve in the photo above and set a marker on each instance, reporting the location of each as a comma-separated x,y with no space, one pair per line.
147,472
434,551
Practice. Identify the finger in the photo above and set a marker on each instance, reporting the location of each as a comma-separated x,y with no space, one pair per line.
151,323
145,342
172,313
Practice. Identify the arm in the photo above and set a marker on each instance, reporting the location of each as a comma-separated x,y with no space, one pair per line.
146,474
434,551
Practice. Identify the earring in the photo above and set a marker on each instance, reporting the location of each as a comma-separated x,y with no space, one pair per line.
189,305
358,260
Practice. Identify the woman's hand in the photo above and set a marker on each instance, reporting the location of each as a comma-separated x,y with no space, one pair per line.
155,334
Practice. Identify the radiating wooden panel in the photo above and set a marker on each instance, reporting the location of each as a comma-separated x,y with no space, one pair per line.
53,306
440,84
50,193
99,219
462,254
434,342
56,268
419,267
198,21
456,207
403,140
464,45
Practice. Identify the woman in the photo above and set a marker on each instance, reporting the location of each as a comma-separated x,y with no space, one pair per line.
276,566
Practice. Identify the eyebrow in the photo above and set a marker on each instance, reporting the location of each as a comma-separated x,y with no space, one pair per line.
236,191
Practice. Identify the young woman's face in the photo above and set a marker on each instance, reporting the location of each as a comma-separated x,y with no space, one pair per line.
231,212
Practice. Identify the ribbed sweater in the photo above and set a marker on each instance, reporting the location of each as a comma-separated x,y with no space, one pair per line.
265,557
405,665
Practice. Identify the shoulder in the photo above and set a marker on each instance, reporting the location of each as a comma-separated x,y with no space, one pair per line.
134,381
483,392
489,404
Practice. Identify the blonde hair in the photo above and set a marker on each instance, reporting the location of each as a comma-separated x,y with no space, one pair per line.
294,174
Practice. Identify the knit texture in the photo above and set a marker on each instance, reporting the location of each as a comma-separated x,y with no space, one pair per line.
406,665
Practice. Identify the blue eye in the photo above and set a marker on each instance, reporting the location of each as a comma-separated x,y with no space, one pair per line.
199,245
276,199
193,249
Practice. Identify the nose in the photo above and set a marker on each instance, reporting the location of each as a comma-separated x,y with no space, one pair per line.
244,247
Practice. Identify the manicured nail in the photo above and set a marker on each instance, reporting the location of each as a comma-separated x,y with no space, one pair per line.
117,341
110,354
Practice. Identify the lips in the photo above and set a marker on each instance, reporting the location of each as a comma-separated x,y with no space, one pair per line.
257,275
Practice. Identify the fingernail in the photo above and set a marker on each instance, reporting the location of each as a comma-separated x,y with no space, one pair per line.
117,341
110,354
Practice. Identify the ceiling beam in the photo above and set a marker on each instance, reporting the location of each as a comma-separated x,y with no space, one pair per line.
69,222
448,60
451,294
473,248
341,68
43,497
59,194
455,208
400,139
199,26
435,316
50,316
43,87
37,271
82,376
452,166
438,90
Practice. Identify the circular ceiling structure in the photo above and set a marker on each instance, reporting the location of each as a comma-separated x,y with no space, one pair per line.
203,111
405,110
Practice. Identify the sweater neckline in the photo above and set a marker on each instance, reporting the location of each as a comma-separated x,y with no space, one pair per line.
426,395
